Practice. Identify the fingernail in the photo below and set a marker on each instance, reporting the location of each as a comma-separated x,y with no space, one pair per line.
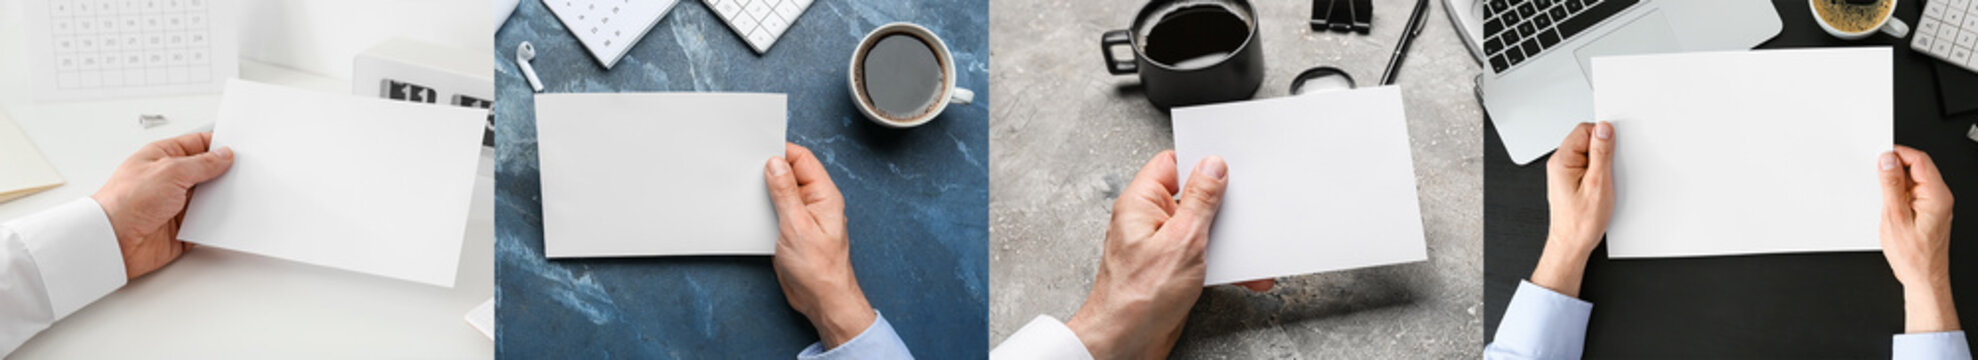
1604,130
1214,167
778,167
225,152
1888,161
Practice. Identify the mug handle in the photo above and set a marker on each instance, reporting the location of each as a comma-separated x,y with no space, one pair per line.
1895,27
961,97
1114,39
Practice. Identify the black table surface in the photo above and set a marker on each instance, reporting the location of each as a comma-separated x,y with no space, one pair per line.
1816,305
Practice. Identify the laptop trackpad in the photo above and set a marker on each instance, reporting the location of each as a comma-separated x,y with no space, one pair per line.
1649,34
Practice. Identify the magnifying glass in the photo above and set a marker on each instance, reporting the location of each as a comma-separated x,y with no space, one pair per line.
1321,79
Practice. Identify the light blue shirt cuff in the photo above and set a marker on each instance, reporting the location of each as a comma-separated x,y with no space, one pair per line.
1541,324
1936,345
878,341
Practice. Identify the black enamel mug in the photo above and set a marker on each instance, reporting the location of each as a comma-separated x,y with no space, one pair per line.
1191,52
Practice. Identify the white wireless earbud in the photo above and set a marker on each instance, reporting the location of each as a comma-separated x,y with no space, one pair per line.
523,55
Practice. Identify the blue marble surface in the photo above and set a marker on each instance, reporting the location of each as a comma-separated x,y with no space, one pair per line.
917,199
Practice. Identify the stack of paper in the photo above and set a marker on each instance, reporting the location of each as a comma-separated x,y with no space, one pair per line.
657,174
1317,182
368,185
26,172
1746,152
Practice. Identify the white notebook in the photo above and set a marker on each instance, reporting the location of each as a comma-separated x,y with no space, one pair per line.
356,183
25,171
645,174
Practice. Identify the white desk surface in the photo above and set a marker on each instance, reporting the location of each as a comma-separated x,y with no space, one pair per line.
215,303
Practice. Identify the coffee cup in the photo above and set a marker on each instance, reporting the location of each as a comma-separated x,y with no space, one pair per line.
1190,52
903,76
1855,19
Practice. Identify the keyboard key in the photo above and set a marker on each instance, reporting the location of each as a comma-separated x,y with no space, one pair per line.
1531,47
1967,38
1922,42
1493,26
1527,28
1557,12
1514,55
758,10
788,11
744,22
1960,55
1593,15
1493,45
1498,63
728,10
774,24
760,40
1935,9
1548,38
1928,26
1542,21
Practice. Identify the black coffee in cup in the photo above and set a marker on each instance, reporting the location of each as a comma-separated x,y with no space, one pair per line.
1190,52
1194,35
902,77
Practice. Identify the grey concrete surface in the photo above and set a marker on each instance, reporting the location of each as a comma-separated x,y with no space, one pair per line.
1066,136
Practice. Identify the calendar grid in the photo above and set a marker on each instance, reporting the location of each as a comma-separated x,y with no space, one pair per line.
102,44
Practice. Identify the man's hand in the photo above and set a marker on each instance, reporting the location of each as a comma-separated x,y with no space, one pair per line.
1152,270
1580,189
813,254
1916,233
145,198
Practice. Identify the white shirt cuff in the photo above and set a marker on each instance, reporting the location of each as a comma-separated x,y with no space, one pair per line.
878,341
1043,338
75,250
1936,345
1541,324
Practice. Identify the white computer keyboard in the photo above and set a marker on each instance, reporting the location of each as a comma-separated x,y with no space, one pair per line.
758,22
1949,31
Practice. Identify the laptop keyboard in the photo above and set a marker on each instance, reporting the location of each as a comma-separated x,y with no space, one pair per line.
1515,30
1949,31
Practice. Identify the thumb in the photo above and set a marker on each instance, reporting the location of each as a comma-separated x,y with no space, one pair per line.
1600,153
1203,196
1895,186
204,166
784,193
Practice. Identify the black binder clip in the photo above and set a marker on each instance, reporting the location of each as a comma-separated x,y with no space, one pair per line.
1343,15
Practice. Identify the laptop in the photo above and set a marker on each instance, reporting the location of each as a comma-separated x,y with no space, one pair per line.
1536,53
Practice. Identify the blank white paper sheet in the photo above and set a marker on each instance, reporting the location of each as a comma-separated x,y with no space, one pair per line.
1731,153
657,174
1317,183
368,185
